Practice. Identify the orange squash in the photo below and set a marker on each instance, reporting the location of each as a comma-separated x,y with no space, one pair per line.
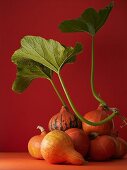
96,116
80,140
57,147
64,120
34,144
102,148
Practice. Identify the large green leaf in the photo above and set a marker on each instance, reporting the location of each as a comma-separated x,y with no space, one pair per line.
28,70
49,53
90,21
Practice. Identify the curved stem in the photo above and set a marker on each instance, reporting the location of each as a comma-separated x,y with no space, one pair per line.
102,102
115,112
58,94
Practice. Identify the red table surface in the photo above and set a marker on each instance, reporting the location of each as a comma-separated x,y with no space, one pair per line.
22,161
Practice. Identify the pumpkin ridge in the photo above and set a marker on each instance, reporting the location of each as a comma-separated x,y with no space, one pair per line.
61,123
55,125
51,124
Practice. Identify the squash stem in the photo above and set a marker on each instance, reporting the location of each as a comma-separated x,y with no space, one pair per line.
102,102
41,128
114,113
58,94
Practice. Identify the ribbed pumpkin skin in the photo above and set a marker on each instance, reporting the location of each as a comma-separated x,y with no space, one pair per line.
64,120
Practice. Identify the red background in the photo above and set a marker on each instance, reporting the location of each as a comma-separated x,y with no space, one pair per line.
20,114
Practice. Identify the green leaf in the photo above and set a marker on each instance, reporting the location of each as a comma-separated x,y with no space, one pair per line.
49,53
28,70
70,54
90,21
20,84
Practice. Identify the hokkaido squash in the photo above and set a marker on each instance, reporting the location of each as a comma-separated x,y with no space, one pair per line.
102,148
80,140
57,147
64,120
34,144
96,116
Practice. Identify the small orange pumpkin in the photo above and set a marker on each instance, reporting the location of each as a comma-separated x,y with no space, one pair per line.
34,144
96,116
64,120
102,148
80,140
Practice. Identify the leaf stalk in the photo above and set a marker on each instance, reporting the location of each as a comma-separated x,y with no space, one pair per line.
102,102
58,94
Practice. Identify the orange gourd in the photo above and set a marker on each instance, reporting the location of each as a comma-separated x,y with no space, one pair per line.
80,140
102,148
34,144
96,116
57,147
